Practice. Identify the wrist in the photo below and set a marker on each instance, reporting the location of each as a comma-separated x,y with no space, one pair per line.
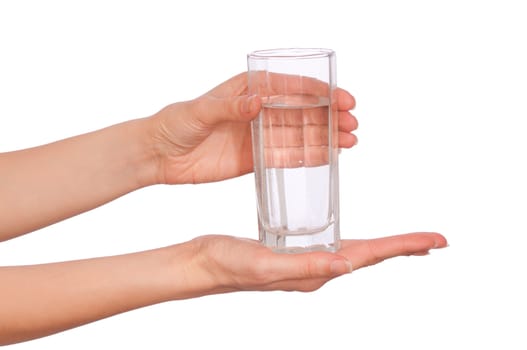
145,158
187,273
158,144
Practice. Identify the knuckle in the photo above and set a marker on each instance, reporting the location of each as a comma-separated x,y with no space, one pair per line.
312,269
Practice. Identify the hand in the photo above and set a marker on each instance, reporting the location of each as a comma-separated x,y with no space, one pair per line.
39,300
233,264
209,138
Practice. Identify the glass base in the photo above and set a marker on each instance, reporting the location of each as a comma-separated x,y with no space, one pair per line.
327,240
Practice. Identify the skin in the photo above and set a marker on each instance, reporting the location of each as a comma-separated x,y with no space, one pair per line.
202,140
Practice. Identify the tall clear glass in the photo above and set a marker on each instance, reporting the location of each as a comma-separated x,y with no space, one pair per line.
295,148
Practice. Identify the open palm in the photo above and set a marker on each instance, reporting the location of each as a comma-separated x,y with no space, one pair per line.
235,264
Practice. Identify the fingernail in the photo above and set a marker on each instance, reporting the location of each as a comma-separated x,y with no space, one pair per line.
246,108
341,267
248,104
422,253
440,244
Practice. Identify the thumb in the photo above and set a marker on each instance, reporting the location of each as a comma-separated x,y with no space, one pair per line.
310,266
213,110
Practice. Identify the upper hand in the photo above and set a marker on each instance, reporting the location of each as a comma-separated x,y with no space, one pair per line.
209,138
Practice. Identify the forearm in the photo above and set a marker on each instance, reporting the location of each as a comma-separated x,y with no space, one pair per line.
46,184
39,300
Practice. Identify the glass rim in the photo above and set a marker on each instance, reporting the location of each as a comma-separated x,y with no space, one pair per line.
291,53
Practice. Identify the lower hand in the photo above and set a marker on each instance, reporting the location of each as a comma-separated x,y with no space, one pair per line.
233,264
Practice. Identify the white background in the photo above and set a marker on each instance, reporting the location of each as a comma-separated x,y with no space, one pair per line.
440,90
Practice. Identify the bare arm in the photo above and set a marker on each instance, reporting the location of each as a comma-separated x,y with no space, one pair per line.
39,300
46,184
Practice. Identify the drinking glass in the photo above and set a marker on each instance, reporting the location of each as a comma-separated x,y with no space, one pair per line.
295,148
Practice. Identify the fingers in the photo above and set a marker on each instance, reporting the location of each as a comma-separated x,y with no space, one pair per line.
229,100
235,86
267,84
347,140
319,267
347,122
307,266
281,84
369,252
345,100
301,115
307,147
360,254
308,136
294,157
212,110
295,137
